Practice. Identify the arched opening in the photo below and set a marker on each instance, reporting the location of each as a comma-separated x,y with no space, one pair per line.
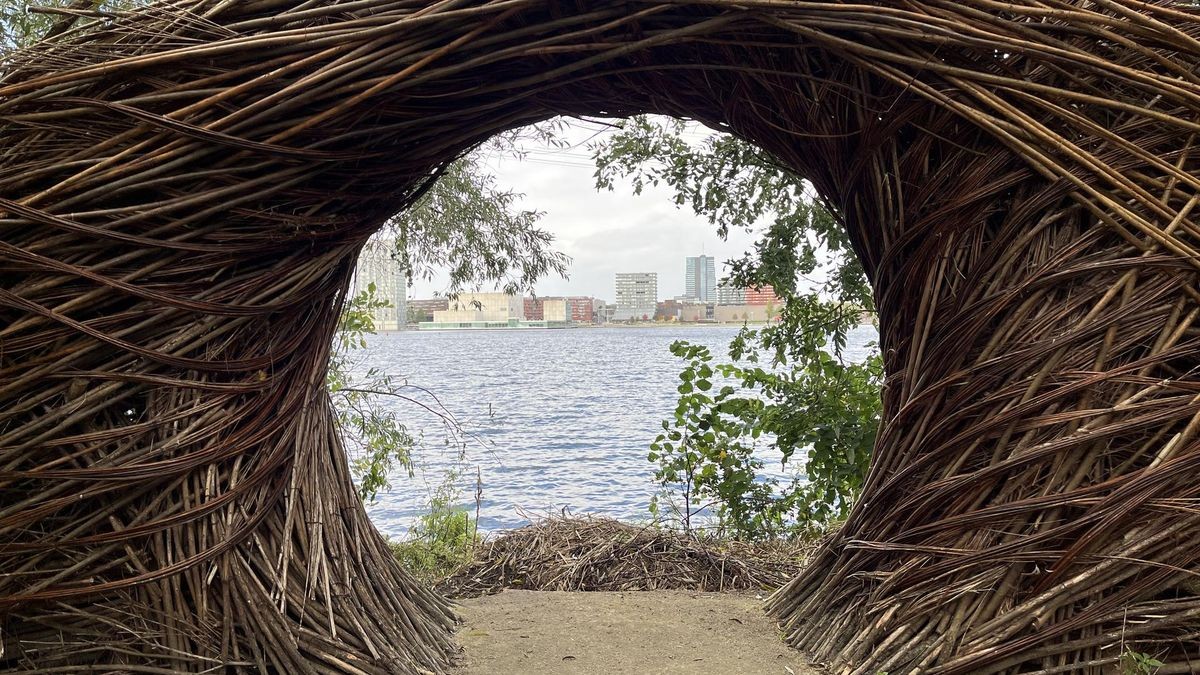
550,422
185,189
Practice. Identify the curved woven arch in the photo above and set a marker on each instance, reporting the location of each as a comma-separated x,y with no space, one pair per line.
184,190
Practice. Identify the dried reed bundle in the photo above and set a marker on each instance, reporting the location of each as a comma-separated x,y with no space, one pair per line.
184,188
601,554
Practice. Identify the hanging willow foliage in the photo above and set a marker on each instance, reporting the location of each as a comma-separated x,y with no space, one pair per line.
184,189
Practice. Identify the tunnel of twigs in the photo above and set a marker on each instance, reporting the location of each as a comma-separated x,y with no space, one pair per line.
184,189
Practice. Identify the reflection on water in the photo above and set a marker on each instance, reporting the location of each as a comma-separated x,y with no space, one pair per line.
558,419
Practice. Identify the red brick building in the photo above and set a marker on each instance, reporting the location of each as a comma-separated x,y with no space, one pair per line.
580,308
763,295
533,309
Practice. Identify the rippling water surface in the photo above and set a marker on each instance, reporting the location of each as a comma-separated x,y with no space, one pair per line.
558,419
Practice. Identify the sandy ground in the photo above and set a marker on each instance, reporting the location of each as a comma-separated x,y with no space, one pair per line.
532,632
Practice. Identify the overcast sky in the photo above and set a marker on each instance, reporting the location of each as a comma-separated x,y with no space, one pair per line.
604,232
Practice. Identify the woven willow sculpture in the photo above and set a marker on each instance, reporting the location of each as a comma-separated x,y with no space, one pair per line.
184,189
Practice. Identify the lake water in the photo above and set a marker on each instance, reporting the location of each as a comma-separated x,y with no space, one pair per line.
557,420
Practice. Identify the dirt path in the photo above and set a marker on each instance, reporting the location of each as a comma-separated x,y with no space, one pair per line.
531,633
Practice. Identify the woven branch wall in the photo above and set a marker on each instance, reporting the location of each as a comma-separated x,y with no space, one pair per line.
184,190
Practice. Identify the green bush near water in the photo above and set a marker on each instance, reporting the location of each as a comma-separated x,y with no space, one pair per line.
442,540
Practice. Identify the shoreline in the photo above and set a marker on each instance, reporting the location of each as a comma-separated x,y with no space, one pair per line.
588,326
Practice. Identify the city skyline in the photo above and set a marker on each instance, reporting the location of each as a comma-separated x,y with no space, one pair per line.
604,232
635,298
635,289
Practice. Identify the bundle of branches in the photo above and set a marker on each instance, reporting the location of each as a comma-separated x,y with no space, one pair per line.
184,189
601,554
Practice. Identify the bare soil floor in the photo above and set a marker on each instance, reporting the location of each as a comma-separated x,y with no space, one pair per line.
535,632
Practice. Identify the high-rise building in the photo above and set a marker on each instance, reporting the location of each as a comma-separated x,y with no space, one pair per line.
637,295
700,278
377,266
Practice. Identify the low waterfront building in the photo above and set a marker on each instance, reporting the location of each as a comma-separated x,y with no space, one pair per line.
672,309
697,312
633,314
745,313
482,311
485,307
423,309
511,324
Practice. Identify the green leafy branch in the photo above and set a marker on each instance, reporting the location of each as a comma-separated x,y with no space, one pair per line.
378,442
808,399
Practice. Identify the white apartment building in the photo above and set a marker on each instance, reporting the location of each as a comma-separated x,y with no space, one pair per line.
636,295
730,295
377,266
